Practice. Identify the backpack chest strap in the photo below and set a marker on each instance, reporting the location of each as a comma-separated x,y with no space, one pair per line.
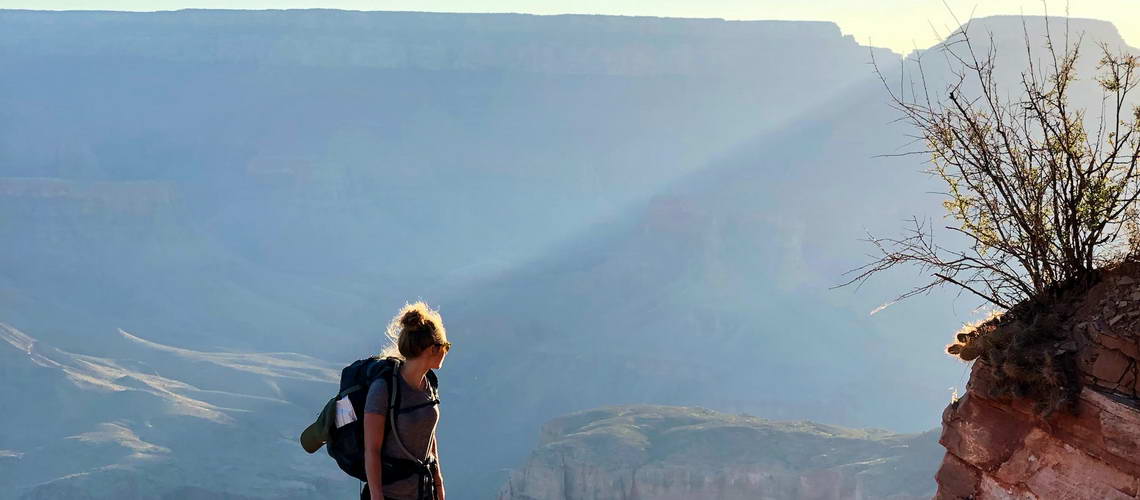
416,407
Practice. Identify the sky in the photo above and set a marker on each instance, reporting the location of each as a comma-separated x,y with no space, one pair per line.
900,25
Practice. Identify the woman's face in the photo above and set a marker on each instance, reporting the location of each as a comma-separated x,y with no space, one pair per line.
437,353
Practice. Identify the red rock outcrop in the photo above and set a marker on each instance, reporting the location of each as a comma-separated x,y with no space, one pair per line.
998,448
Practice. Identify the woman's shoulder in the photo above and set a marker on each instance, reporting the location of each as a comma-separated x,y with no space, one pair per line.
377,399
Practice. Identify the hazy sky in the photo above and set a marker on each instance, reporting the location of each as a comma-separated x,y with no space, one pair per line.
898,24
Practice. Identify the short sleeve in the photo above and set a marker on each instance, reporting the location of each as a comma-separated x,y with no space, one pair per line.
377,401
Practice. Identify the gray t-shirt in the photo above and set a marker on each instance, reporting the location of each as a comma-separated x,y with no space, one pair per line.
416,428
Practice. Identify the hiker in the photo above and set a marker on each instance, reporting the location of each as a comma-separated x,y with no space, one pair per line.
421,343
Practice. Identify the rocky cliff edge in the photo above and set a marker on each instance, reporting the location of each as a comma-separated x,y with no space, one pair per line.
1004,441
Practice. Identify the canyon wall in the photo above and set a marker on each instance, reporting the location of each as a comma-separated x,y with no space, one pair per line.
667,453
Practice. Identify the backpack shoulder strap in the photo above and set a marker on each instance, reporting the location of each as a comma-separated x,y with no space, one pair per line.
433,380
394,410
393,387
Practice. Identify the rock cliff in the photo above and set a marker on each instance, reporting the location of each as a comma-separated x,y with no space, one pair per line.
999,446
665,453
566,45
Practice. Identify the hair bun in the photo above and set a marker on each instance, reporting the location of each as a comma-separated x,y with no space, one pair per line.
416,320
412,319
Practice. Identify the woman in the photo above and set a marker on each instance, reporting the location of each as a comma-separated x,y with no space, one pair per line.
409,454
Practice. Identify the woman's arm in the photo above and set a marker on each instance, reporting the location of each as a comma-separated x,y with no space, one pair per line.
438,471
373,442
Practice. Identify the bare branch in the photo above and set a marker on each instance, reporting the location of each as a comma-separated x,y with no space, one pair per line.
1039,200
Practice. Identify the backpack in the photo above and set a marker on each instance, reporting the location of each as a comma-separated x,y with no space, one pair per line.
345,444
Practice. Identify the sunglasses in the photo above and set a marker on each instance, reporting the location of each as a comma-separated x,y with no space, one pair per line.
446,346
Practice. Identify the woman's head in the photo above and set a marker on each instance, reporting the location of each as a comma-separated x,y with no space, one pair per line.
417,331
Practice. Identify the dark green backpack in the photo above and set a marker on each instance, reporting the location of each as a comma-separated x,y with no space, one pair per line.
346,444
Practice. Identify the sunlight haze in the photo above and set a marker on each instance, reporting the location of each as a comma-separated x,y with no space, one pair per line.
638,221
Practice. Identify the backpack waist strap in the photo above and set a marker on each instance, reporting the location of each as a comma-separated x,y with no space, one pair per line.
397,469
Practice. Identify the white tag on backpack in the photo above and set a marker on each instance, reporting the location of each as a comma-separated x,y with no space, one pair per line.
344,413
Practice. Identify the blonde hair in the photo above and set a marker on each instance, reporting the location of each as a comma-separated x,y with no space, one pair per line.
413,330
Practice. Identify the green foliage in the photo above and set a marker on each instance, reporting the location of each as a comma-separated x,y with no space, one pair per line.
1041,198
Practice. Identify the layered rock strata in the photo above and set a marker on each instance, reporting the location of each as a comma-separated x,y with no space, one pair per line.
1002,449
1107,336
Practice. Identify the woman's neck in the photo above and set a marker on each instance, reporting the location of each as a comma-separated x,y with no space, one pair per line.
414,371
